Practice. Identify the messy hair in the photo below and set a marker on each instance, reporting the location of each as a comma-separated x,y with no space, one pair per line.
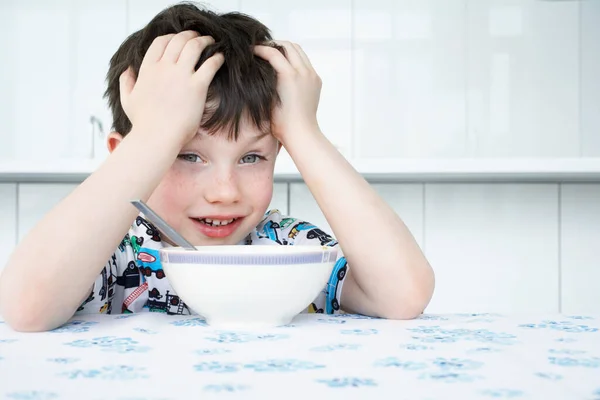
244,86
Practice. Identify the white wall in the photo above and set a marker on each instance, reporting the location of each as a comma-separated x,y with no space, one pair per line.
403,79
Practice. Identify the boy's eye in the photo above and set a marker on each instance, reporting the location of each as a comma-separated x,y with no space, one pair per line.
251,159
193,158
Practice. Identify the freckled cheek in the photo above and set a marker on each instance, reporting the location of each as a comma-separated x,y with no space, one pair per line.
171,197
258,188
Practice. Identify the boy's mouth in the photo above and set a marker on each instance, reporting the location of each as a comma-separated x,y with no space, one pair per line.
216,222
218,227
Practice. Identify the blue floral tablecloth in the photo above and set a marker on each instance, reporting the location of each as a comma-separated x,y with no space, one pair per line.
154,356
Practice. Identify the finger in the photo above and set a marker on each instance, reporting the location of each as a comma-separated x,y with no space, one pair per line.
157,48
275,58
177,44
304,57
192,50
126,84
293,57
208,69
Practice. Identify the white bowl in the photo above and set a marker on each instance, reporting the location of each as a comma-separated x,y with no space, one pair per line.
248,286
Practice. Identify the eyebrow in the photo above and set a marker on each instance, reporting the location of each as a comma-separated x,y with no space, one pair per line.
259,137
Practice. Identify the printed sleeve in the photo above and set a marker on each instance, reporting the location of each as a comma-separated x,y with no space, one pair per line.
119,277
302,233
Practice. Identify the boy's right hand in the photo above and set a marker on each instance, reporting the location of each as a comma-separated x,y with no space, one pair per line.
168,97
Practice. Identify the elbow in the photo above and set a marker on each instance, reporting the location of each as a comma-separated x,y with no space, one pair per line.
402,312
24,318
24,323
24,304
25,312
410,303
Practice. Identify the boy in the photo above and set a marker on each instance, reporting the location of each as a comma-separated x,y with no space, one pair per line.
202,104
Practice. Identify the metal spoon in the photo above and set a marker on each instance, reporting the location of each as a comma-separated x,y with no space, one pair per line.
162,225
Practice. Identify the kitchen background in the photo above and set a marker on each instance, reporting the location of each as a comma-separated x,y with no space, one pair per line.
477,120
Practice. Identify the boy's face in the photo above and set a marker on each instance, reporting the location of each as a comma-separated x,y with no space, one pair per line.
214,181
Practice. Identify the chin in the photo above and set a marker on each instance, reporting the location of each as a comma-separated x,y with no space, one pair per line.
233,239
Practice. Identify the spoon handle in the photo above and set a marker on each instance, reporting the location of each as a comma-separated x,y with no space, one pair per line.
162,225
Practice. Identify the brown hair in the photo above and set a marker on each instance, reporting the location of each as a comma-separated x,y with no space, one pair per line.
244,86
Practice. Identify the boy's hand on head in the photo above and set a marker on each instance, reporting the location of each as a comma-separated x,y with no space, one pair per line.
168,96
299,87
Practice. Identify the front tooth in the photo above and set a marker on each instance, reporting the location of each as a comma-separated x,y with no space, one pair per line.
215,222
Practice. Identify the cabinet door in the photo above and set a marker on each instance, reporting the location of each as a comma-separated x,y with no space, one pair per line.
53,76
580,240
590,78
409,78
405,199
523,78
8,221
37,69
101,27
280,198
324,31
493,247
36,200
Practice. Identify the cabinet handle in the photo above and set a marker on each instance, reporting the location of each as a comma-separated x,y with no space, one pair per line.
96,125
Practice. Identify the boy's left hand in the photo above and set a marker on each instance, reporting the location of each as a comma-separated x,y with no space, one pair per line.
299,89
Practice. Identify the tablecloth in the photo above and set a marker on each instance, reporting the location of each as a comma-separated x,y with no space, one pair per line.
154,356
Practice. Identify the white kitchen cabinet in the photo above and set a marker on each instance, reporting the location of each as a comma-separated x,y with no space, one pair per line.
36,200
55,57
7,86
409,78
324,31
580,241
590,78
101,27
8,221
37,72
493,247
280,198
523,75
405,199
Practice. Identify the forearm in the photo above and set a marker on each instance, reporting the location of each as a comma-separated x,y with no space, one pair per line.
51,271
385,261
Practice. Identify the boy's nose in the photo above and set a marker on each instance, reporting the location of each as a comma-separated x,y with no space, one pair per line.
223,189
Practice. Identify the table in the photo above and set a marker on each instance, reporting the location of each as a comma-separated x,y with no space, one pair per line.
154,356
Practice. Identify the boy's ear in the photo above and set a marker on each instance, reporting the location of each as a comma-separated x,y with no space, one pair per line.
114,139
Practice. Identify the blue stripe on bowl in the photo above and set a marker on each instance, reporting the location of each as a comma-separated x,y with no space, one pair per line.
249,259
